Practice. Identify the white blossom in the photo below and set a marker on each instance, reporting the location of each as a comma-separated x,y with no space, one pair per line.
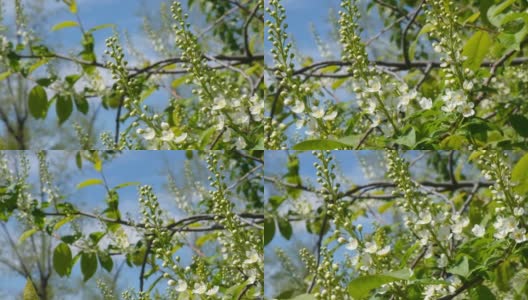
181,286
384,251
240,143
371,247
252,257
200,288
180,138
212,291
299,107
478,230
219,103
425,103
352,244
331,116
318,112
148,133
167,135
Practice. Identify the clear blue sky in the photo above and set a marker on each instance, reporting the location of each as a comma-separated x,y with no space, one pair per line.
147,167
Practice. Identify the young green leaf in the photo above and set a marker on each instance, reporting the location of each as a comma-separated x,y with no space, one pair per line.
320,145
269,230
361,286
285,228
106,261
64,108
520,175
29,291
476,49
62,259
64,24
89,182
88,265
38,102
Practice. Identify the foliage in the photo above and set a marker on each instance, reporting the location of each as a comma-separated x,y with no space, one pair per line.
212,100
438,75
216,220
427,225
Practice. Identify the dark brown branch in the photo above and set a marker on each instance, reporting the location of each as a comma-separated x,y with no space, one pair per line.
246,29
405,45
243,154
143,264
463,288
318,250
364,138
396,65
442,186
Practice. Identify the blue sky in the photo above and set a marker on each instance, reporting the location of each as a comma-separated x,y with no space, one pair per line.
147,167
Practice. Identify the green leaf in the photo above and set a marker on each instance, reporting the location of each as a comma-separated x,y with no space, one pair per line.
178,81
276,201
494,12
73,6
64,108
38,102
64,24
427,28
27,234
476,49
72,79
285,228
320,145
520,124
481,292
102,26
81,103
88,265
204,238
98,163
88,182
78,160
472,18
269,230
29,291
520,175
338,83
64,221
408,139
62,259
125,184
96,236
518,36
462,268
5,75
361,286
106,261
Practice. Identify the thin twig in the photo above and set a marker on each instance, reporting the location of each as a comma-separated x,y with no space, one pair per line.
143,264
318,250
246,29
405,46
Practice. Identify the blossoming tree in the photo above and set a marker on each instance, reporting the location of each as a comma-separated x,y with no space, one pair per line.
212,77
420,225
207,246
435,75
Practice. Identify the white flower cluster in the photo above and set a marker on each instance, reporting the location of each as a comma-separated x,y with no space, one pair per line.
166,134
200,288
510,210
457,101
